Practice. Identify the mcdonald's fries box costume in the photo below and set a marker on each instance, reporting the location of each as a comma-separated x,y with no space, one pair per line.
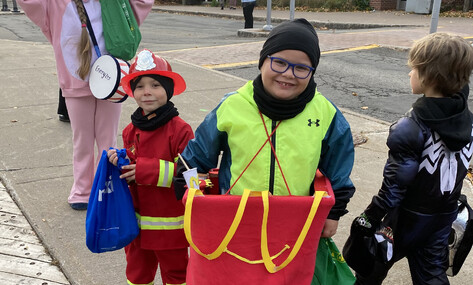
255,238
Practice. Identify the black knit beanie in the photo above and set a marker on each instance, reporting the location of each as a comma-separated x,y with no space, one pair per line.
298,34
166,82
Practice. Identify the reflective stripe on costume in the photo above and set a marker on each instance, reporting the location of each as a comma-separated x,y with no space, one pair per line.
166,172
131,283
160,223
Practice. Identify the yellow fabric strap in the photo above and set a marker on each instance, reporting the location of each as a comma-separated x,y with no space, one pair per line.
255,261
268,263
166,172
267,259
231,231
160,223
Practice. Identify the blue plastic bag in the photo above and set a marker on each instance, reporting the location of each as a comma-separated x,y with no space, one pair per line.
111,221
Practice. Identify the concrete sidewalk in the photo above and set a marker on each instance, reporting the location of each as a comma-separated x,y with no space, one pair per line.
330,20
35,161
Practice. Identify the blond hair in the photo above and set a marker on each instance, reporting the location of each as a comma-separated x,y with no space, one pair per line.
443,61
84,49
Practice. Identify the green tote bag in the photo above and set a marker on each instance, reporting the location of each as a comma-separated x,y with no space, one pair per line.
120,29
330,267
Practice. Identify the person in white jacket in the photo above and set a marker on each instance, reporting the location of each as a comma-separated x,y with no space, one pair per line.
93,121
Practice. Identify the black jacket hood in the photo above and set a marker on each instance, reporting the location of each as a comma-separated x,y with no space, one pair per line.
448,116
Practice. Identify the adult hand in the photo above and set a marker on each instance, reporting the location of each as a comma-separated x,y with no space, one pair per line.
129,175
330,228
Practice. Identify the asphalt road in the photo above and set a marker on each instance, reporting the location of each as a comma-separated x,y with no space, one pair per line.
373,81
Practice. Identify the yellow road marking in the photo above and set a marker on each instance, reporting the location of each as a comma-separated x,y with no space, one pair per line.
351,49
208,47
243,63
226,65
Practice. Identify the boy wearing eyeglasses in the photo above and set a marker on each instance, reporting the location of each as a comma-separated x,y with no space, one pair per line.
306,130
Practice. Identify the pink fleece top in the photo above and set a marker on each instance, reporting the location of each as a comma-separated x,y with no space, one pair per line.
60,23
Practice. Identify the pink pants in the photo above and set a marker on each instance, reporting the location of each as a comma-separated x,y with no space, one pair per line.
93,122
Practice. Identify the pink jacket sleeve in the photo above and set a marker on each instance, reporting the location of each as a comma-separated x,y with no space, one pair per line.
37,12
141,9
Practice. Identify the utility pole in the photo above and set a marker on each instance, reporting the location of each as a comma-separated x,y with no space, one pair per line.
435,16
268,26
292,6
466,5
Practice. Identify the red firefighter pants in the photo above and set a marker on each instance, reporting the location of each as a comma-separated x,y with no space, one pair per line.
142,265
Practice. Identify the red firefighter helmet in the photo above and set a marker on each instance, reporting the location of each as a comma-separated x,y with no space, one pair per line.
147,62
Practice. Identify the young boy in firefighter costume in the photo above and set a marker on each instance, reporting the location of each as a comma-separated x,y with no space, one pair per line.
153,140
310,132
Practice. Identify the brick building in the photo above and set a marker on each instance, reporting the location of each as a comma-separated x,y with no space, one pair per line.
383,4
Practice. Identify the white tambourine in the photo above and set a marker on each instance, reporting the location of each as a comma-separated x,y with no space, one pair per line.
105,76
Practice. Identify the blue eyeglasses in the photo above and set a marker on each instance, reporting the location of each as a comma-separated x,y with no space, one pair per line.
280,65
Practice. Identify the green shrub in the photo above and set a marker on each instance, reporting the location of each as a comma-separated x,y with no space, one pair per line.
336,5
451,5
362,4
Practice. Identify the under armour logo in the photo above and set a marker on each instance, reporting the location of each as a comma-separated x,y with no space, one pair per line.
311,123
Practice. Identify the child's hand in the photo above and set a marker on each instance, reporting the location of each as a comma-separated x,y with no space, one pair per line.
118,157
330,228
129,175
362,224
112,156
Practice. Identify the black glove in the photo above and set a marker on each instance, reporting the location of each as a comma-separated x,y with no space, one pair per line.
364,225
179,181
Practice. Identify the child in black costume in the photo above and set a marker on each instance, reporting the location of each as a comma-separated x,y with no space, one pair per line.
429,153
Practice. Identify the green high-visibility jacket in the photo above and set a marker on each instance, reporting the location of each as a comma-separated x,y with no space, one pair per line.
317,138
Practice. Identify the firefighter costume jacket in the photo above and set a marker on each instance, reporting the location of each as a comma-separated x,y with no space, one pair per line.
317,138
160,216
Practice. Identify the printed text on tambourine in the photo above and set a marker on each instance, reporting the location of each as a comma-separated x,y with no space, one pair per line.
102,72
